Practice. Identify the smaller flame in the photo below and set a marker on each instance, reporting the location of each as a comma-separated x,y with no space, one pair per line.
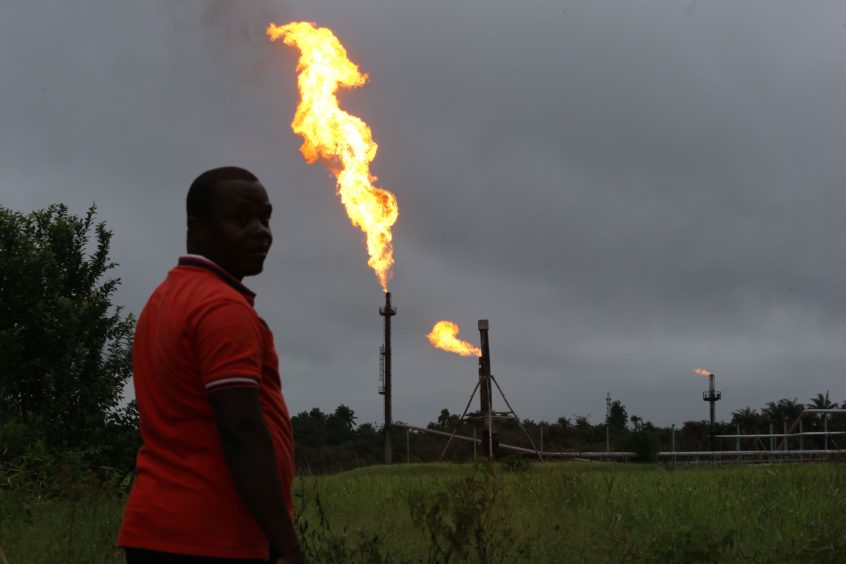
702,372
444,336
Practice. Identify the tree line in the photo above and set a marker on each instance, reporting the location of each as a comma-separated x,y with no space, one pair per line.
65,358
333,441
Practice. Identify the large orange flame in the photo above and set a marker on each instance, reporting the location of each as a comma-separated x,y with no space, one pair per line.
341,140
701,372
444,335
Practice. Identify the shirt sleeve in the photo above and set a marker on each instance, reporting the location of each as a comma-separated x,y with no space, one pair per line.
229,347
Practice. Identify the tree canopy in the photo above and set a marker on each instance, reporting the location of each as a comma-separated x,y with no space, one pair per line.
65,351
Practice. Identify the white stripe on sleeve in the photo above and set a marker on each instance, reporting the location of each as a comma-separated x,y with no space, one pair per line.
224,381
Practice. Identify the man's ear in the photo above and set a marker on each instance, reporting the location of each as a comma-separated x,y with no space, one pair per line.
197,231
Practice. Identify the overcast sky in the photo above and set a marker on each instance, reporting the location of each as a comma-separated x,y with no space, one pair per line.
626,189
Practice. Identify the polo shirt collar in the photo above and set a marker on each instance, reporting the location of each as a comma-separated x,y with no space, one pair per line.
199,261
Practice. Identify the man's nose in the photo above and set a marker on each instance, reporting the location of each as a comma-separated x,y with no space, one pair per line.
263,231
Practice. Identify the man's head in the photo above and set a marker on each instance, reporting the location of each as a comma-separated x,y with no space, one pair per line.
229,220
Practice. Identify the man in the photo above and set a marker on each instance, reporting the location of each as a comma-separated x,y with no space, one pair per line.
213,477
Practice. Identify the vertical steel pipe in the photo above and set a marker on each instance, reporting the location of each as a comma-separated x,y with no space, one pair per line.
785,434
801,436
826,431
387,312
713,405
485,398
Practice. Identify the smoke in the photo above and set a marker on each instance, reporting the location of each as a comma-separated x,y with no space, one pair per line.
230,32
242,22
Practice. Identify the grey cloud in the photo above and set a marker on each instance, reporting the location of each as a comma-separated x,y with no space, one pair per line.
626,190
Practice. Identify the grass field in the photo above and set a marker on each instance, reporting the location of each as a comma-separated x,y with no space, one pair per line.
562,512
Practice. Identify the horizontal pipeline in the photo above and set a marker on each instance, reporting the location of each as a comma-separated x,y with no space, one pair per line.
764,436
628,455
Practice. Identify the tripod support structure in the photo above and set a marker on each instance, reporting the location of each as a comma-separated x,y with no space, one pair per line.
488,417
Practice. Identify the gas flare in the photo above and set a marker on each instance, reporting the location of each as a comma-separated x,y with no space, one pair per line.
701,372
342,141
444,335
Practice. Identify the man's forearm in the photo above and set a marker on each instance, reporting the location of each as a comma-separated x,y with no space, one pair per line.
249,455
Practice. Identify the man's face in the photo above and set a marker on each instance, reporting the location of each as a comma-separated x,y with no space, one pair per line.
237,233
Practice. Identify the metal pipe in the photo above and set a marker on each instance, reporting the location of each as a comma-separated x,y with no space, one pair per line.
711,401
387,312
785,434
826,431
460,419
759,436
712,396
485,399
519,423
627,455
607,420
673,440
801,436
798,420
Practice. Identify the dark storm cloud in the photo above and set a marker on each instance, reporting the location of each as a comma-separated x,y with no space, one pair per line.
626,190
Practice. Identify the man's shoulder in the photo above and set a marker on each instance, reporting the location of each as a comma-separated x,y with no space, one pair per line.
191,293
202,286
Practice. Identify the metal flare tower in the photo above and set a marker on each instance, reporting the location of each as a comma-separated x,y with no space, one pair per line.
385,389
486,416
485,396
712,396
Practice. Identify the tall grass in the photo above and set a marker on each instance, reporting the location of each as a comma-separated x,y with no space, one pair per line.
611,512
563,512
42,530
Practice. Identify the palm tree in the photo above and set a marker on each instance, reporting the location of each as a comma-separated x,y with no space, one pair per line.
747,418
784,413
791,409
770,411
784,408
821,401
345,416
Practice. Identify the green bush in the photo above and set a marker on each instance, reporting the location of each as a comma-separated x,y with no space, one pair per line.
515,463
321,542
687,544
468,520
646,444
65,355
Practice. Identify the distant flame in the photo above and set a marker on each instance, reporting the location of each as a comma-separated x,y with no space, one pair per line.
341,140
702,372
444,335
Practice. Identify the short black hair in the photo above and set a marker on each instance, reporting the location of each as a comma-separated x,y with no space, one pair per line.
202,191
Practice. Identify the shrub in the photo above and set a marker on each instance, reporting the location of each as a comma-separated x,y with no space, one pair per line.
646,445
468,520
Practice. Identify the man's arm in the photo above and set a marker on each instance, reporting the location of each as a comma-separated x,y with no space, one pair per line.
248,450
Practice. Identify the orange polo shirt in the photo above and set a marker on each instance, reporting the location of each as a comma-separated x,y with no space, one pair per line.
199,334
